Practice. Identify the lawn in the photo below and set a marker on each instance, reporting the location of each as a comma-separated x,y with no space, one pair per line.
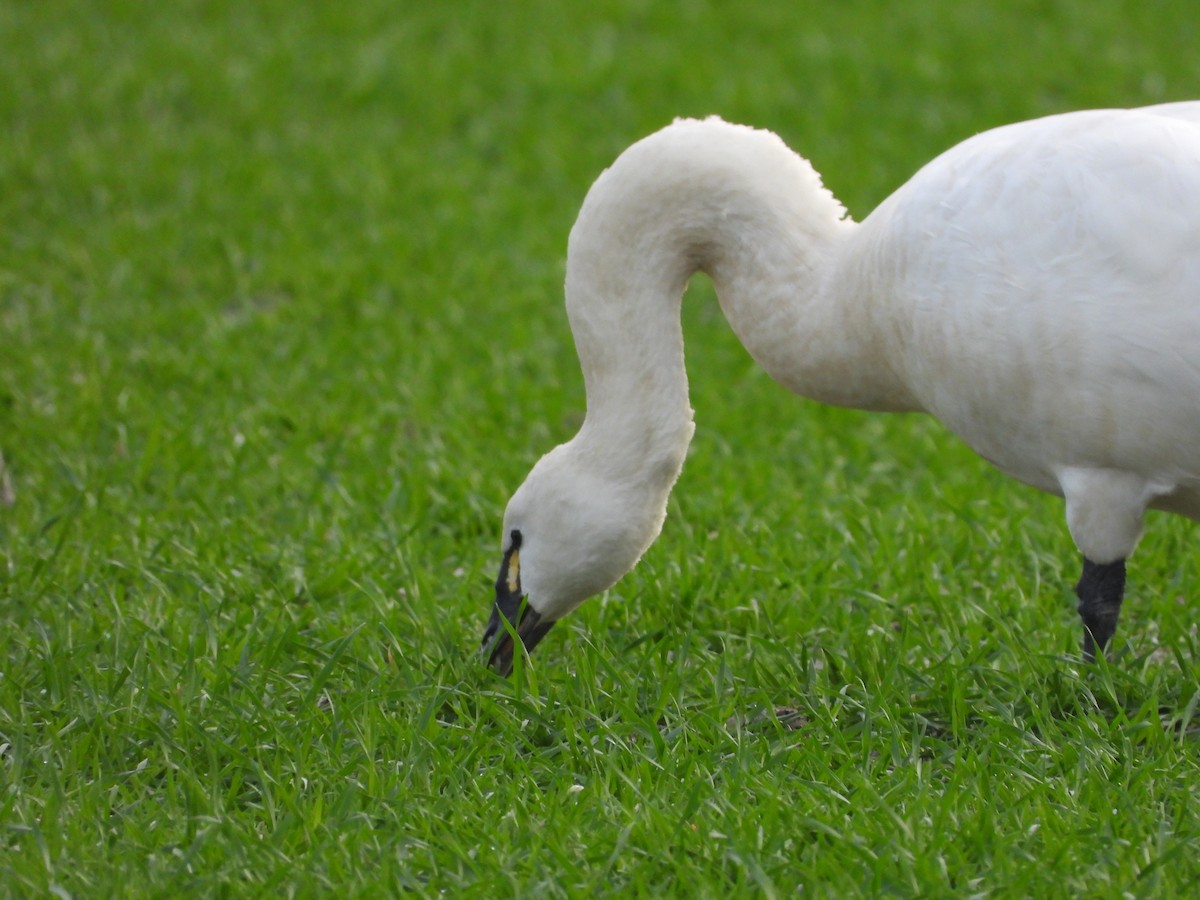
281,328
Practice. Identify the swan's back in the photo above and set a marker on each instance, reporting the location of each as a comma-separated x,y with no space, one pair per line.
1186,110
1045,283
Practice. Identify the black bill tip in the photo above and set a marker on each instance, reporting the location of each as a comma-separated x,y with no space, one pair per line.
498,641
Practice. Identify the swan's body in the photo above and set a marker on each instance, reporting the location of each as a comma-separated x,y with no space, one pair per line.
1036,288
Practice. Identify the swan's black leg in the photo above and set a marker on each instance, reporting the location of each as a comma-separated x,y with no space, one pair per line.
1100,590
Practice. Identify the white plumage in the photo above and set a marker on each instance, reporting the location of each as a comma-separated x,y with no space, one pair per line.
1036,288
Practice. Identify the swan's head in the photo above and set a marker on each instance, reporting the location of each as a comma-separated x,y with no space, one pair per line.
570,533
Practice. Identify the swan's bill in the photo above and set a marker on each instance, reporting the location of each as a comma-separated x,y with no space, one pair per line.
511,612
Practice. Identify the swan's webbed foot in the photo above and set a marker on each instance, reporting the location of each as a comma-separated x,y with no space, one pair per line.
1101,589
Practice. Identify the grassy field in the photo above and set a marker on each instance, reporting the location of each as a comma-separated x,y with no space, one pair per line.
281,328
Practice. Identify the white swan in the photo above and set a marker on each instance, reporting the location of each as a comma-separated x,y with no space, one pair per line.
1036,288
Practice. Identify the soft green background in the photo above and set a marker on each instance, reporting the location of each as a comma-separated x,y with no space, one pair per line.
280,330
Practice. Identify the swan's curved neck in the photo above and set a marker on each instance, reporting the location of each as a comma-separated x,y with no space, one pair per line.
740,206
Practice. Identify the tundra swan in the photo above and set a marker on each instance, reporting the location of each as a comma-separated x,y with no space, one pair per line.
1036,288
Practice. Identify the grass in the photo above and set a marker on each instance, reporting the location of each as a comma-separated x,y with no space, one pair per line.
281,329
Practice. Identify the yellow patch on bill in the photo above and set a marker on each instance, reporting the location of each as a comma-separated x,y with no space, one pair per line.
514,572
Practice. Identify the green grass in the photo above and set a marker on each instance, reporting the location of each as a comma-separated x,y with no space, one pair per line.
281,328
